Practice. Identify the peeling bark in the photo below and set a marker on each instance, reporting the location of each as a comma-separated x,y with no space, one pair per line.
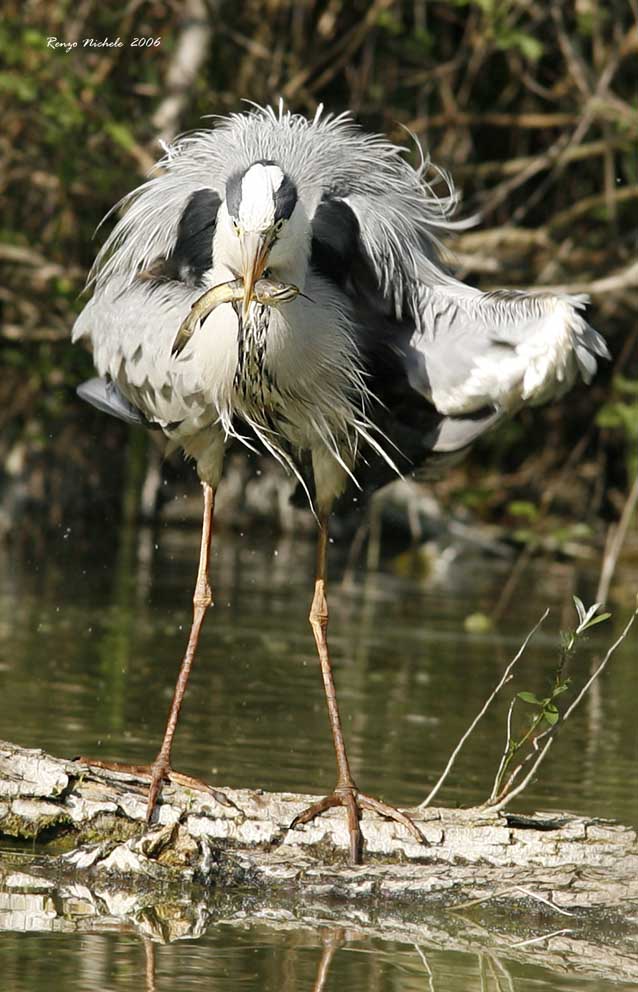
576,873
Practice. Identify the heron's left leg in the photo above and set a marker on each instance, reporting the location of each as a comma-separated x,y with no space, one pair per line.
345,792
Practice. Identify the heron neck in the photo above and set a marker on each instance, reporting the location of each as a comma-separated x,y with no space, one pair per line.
249,379
290,265
293,271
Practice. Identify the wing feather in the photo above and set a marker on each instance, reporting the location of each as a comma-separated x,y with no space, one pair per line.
131,330
501,349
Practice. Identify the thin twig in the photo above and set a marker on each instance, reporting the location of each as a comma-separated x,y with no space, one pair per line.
504,678
345,45
187,62
616,542
536,164
598,671
589,203
608,565
513,166
539,940
613,283
461,118
547,902
593,98
17,332
20,255
426,965
551,733
508,891
508,738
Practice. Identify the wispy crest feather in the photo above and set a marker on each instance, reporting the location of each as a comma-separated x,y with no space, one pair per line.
401,216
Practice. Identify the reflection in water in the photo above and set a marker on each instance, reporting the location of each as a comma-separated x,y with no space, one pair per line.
333,940
220,945
130,938
149,970
88,649
426,965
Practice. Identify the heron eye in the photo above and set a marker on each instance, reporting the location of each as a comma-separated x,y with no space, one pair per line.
279,225
236,227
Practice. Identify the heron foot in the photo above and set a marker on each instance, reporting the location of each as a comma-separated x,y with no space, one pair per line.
158,772
355,802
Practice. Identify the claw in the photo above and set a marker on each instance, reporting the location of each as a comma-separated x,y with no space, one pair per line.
355,802
158,773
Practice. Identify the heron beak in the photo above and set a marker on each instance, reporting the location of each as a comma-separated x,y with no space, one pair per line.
255,248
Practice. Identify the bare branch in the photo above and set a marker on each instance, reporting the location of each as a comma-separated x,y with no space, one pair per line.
538,940
188,59
490,699
508,738
513,166
616,540
624,278
551,733
589,203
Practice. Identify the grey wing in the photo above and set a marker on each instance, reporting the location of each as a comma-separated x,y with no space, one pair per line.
106,396
131,329
145,283
503,349
474,356
389,345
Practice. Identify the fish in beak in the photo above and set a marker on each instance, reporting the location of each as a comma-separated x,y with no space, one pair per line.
255,248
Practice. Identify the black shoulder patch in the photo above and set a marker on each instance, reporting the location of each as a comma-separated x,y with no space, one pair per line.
335,240
193,251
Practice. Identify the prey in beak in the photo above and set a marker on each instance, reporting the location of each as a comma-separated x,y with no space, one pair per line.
255,248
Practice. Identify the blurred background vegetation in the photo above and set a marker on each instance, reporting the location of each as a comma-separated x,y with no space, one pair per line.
531,105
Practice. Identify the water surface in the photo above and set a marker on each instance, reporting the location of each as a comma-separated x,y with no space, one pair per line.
90,641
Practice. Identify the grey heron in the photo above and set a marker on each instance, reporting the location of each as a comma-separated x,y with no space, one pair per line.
383,362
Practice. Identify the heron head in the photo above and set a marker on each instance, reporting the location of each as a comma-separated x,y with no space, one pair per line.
260,202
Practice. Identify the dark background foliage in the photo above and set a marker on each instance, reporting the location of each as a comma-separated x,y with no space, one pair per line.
532,107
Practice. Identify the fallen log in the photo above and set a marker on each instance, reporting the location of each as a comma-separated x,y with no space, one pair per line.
572,880
96,817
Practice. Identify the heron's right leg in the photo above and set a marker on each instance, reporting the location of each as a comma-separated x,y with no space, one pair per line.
202,599
161,770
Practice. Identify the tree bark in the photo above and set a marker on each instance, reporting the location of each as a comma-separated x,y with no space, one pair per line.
573,872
